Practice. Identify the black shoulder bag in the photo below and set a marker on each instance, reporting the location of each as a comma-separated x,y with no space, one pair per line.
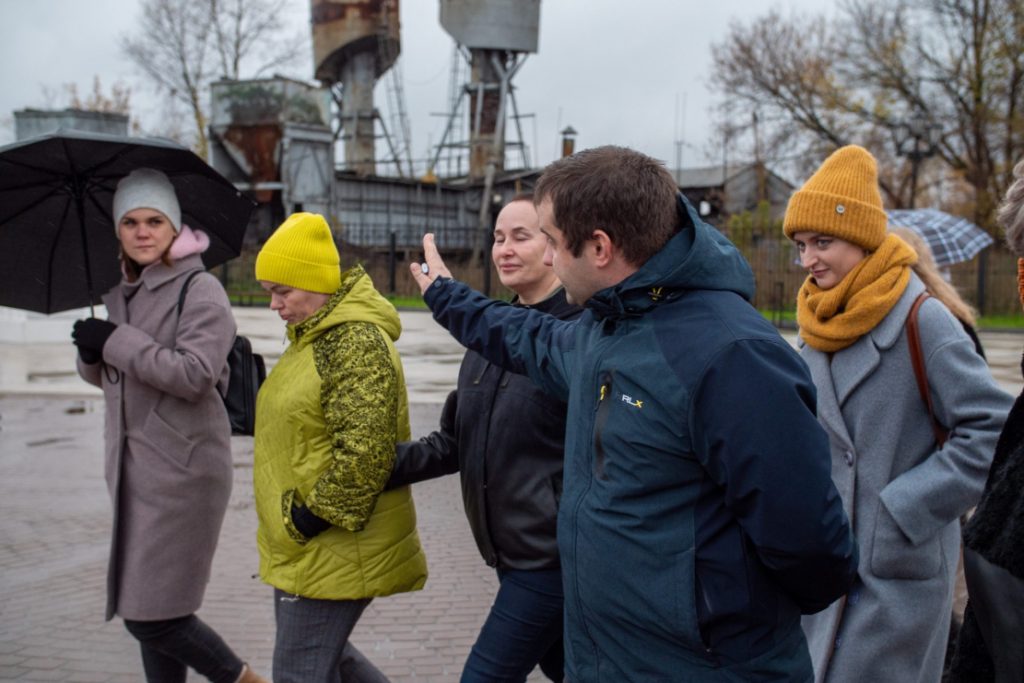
246,372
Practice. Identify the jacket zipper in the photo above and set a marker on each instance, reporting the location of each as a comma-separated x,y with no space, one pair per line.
603,406
603,393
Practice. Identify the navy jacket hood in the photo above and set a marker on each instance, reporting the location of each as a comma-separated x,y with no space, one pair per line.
697,257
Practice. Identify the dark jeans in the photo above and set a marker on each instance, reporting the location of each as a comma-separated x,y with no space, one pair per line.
523,629
312,643
170,646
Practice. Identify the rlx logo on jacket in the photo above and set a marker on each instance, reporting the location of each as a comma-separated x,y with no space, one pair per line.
636,403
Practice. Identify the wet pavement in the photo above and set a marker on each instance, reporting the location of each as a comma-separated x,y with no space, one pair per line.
55,521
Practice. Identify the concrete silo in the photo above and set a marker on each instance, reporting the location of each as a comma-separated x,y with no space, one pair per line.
354,43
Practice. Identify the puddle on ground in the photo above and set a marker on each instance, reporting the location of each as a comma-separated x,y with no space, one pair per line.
47,442
80,408
49,377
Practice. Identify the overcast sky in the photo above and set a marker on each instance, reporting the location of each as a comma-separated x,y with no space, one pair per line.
618,72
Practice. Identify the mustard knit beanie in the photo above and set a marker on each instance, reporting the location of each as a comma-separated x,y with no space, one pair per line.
841,199
301,254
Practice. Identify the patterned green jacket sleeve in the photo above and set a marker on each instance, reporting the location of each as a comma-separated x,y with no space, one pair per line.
359,397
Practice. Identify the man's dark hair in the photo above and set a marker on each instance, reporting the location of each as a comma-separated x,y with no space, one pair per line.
629,195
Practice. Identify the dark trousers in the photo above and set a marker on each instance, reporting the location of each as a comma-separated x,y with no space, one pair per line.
312,643
523,630
171,646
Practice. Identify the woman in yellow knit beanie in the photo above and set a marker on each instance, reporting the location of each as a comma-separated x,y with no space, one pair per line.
328,417
903,491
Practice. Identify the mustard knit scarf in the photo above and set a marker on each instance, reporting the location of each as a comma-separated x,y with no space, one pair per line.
832,319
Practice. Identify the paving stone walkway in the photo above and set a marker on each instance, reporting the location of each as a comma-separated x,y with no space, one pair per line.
55,520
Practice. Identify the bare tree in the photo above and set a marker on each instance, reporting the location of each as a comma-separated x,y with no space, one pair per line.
182,45
117,102
956,65
242,26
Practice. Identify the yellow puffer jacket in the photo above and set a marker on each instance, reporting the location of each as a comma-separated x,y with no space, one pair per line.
327,420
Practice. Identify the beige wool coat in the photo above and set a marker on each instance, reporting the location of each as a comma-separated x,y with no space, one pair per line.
168,439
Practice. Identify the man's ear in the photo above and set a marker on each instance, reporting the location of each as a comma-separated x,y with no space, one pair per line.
604,248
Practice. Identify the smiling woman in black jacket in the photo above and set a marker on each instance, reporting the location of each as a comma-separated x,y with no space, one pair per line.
505,437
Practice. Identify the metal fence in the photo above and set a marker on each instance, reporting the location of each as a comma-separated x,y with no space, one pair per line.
989,281
388,266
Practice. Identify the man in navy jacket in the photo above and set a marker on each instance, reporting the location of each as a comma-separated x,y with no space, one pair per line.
698,518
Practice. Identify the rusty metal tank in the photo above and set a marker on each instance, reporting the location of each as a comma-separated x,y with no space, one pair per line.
260,129
354,43
343,29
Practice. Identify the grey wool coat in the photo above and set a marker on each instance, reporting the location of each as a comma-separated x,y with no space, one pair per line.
903,496
168,439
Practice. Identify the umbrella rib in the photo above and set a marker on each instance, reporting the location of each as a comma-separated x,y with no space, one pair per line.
31,184
24,164
53,251
37,202
110,159
99,207
71,161
77,183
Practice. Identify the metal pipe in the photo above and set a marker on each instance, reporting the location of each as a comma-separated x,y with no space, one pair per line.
358,75
519,127
505,77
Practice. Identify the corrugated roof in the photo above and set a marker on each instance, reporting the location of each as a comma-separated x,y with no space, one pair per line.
705,176
711,176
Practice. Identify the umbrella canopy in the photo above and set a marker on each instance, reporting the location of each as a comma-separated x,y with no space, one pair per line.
58,245
952,239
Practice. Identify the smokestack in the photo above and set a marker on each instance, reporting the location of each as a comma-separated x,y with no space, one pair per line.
568,141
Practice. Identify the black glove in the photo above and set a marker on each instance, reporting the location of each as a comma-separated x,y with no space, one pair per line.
90,335
308,524
88,356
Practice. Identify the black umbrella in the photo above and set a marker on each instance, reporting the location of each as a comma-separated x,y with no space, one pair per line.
58,246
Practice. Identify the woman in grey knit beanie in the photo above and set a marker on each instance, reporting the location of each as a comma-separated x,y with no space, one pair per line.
162,366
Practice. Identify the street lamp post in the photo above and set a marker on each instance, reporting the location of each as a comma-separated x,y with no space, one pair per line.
917,139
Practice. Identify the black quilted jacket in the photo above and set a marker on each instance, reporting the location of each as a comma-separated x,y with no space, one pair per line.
505,437
989,647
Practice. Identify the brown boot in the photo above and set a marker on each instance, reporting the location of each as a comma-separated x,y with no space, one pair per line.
250,676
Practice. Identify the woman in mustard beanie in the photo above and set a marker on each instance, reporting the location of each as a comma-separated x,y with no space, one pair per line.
904,483
328,417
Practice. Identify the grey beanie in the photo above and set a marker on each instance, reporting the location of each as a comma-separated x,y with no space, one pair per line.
147,188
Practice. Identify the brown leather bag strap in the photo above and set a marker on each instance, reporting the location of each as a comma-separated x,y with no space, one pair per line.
920,372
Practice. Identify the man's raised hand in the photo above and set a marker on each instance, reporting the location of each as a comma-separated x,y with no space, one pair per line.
431,268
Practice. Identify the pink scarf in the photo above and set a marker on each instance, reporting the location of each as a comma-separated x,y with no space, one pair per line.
188,242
